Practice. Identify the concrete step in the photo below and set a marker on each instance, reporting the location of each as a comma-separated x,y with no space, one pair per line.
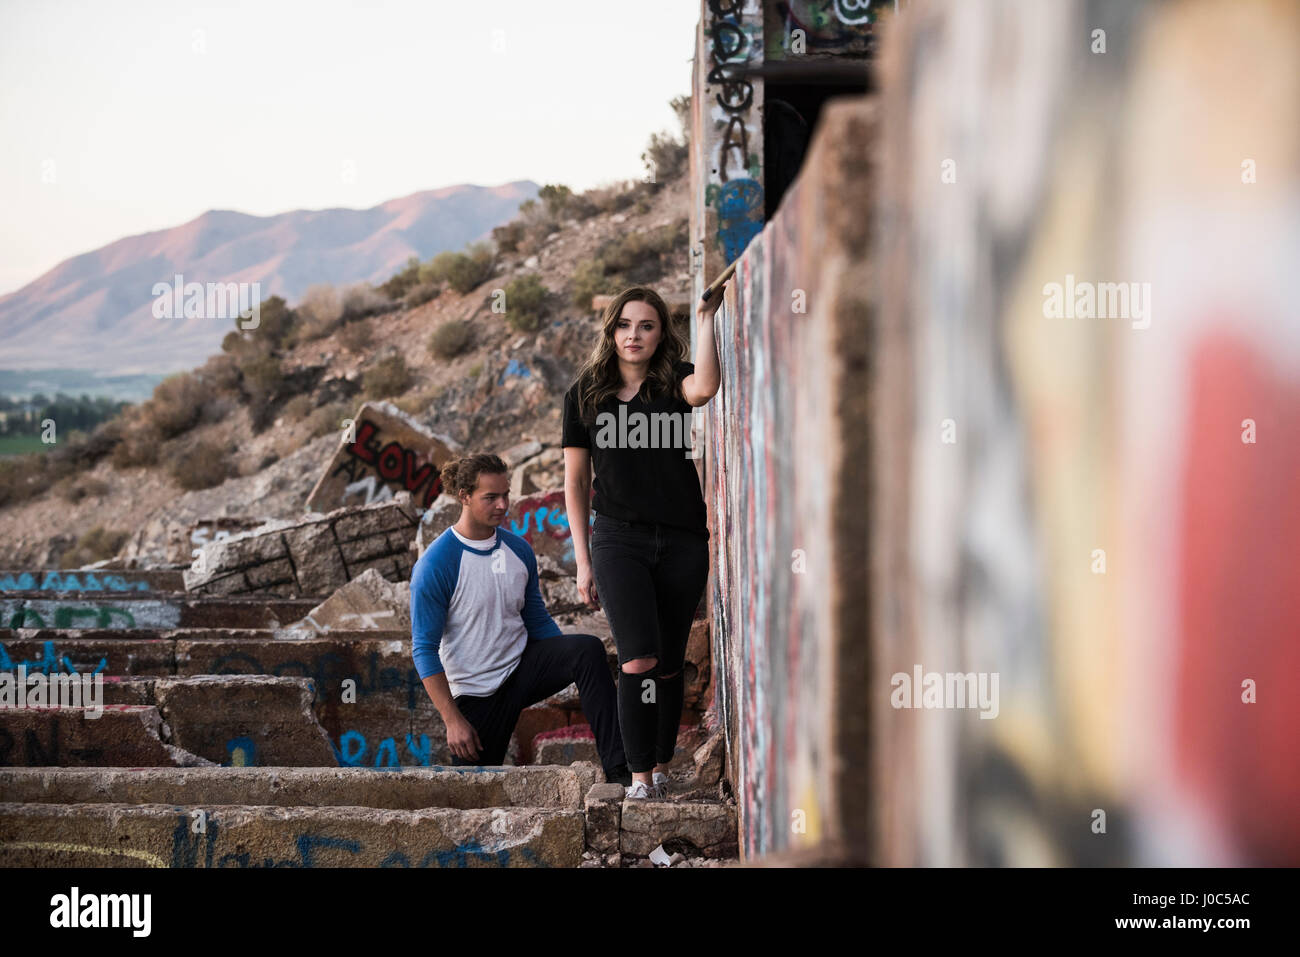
158,611
162,835
389,723
632,829
57,581
406,789
121,736
260,817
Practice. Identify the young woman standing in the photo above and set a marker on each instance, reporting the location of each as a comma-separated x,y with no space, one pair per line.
648,560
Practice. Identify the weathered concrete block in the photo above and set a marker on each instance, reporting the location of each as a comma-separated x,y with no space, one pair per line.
697,671
391,453
245,720
322,552
405,789
122,736
59,655
155,835
441,515
710,828
83,580
368,694
604,807
709,758
565,745
561,595
75,611
533,720
368,602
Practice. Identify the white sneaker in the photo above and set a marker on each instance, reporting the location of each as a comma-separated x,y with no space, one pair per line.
639,790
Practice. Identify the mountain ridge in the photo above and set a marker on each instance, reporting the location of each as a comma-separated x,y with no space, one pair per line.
99,303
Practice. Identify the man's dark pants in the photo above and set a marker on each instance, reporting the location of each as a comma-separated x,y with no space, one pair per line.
547,667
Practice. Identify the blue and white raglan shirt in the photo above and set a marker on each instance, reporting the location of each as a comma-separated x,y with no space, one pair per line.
474,606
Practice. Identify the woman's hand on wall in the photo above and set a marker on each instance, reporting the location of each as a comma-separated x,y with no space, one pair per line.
709,306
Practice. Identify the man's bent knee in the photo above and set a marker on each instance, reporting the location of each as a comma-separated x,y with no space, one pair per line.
639,666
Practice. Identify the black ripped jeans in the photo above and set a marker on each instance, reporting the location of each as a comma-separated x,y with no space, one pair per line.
649,580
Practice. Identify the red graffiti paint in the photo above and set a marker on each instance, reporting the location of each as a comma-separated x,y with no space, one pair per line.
1239,602
395,463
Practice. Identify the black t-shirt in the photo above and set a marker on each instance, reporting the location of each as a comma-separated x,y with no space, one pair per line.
635,480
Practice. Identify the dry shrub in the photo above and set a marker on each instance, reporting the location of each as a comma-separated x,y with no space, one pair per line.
87,486
138,447
204,465
449,339
328,418
361,300
387,377
420,294
356,336
298,408
176,404
95,545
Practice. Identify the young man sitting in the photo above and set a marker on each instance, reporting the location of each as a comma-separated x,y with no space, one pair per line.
481,638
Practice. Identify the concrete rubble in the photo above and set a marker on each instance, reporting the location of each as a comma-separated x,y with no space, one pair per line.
310,556
369,602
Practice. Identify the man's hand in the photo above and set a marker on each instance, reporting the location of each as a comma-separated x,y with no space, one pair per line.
462,739
587,586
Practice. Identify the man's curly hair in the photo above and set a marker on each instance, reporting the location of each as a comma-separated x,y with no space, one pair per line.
460,476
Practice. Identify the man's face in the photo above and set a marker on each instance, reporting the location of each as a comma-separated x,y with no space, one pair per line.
491,498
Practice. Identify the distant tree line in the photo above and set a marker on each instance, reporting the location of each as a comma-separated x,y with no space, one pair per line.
24,416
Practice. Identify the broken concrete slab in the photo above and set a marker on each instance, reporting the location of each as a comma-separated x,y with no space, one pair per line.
708,827
709,758
109,656
541,519
386,452
245,720
367,603
122,736
369,697
544,470
516,454
437,518
405,789
185,541
162,835
565,745
697,672
604,807
60,581
313,555
157,612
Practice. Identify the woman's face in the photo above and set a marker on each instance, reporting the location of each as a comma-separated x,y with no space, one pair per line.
637,332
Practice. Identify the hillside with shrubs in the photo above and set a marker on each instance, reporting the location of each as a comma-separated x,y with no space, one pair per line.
478,344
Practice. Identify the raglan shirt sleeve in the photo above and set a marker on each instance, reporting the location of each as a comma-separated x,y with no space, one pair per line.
431,592
536,618
573,431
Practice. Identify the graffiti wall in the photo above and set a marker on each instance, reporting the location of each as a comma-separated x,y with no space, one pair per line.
786,488
726,159
384,451
1089,387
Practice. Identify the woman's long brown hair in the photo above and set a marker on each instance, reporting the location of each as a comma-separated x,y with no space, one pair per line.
599,377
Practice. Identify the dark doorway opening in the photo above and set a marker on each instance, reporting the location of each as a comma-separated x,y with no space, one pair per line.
790,115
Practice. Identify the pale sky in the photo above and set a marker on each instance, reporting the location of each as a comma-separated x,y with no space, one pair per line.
143,114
